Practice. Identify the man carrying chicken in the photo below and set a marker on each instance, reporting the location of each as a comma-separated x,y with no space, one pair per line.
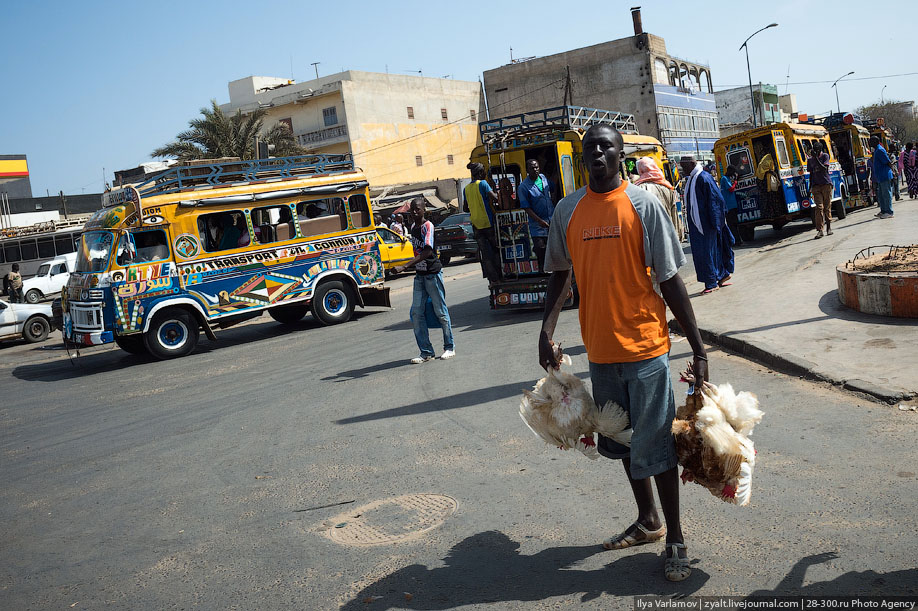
618,241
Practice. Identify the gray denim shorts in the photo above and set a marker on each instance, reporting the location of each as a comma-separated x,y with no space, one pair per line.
645,391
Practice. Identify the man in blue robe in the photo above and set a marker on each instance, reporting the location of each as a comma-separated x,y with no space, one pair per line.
711,240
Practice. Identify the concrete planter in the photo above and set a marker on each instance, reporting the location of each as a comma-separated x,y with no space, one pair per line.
879,293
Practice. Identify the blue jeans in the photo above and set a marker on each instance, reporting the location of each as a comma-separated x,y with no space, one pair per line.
430,285
884,196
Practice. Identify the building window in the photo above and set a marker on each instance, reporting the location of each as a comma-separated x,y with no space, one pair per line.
330,115
472,115
418,160
410,112
449,159
443,113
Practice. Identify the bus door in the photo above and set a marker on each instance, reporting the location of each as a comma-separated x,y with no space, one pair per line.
794,181
565,152
749,200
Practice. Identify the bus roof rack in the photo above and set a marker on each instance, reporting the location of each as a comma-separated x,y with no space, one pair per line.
551,119
182,178
836,119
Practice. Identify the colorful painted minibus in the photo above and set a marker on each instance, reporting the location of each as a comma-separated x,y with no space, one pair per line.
208,246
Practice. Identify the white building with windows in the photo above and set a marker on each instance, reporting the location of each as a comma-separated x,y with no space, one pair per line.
400,129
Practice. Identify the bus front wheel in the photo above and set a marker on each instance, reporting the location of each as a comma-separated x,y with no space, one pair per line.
173,333
333,302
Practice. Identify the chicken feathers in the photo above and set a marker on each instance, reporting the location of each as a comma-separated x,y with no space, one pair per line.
561,411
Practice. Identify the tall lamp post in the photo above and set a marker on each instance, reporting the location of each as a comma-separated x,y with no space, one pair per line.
749,71
881,94
835,86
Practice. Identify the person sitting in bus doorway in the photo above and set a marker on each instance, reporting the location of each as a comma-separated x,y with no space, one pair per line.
651,178
535,198
13,282
728,191
610,235
821,187
480,200
428,283
711,240
883,175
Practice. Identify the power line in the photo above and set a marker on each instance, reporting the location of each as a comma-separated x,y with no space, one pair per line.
862,78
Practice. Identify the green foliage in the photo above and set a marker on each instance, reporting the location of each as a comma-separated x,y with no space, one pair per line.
216,134
899,119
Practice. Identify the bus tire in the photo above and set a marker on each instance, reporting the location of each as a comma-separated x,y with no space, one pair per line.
36,329
132,344
173,333
747,234
333,302
838,207
33,296
288,314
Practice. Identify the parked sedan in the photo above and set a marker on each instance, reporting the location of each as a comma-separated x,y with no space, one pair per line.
455,237
31,322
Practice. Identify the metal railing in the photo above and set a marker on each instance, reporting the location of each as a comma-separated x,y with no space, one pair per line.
557,118
218,174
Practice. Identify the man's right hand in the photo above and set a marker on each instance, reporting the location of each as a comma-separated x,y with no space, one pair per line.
549,354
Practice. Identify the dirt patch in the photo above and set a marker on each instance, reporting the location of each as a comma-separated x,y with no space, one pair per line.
898,259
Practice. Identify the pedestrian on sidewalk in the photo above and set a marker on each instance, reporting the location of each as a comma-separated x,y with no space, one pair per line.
728,191
909,164
711,240
428,283
534,195
13,283
883,174
821,187
613,225
651,178
480,200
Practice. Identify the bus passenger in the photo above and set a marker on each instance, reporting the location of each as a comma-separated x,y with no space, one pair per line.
479,202
535,198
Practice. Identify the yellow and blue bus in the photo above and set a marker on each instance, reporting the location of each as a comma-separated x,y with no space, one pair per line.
208,246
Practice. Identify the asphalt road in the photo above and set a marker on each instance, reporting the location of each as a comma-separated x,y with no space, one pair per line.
214,481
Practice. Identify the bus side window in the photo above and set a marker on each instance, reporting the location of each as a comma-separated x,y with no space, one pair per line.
150,246
360,213
321,216
223,230
273,224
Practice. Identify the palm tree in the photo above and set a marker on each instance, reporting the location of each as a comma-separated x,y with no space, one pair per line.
215,135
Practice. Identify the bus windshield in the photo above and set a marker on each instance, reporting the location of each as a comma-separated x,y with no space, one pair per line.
95,250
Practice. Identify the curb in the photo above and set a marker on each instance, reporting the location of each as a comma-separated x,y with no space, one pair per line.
794,365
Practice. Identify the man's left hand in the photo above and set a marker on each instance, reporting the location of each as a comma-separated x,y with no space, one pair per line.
700,368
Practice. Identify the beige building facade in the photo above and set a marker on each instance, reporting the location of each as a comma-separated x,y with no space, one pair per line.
401,129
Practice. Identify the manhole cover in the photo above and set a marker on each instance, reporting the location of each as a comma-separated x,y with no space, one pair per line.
392,520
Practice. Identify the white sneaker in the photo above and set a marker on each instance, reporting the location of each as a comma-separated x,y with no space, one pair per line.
423,358
819,234
447,354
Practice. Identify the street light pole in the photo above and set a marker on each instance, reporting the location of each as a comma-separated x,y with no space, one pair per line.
881,94
749,71
835,85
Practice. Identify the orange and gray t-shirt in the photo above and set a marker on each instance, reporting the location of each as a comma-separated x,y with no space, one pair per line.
614,241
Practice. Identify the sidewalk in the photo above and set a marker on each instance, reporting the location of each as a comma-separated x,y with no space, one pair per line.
783,309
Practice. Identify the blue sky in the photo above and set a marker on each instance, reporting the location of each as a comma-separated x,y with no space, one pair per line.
92,85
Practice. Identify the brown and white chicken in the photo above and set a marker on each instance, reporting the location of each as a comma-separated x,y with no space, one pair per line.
712,434
561,411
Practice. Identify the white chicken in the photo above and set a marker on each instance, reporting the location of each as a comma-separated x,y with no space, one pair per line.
561,411
712,440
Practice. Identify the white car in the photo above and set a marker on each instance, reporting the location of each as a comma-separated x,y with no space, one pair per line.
51,276
31,322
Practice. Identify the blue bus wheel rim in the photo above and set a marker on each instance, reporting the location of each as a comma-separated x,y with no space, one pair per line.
335,302
173,334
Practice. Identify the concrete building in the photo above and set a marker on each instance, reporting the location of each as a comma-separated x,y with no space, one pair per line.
788,105
400,129
734,108
671,99
14,176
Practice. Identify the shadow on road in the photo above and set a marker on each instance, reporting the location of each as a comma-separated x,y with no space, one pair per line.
475,315
458,401
489,568
853,583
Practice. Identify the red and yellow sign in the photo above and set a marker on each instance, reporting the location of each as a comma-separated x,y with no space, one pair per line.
13,168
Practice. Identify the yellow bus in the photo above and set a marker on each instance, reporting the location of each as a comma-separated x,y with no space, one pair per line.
554,138
208,246
773,185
